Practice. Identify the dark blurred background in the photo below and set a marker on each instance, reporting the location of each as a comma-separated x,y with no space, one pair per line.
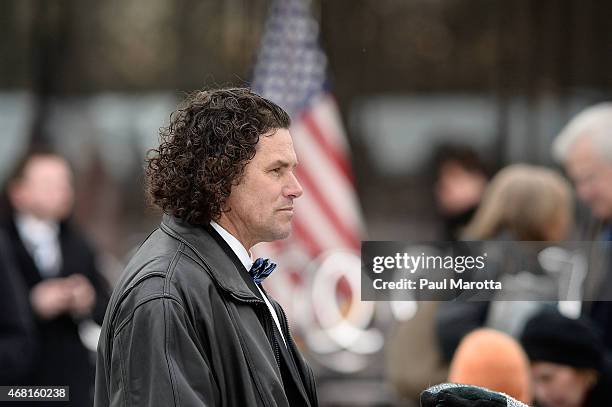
99,77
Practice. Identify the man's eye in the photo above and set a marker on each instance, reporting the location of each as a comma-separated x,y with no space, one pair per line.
276,170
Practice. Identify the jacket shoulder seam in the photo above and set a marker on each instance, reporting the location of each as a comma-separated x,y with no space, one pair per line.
130,288
149,274
172,266
143,301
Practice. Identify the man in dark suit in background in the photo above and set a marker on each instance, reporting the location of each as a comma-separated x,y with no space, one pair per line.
58,269
584,147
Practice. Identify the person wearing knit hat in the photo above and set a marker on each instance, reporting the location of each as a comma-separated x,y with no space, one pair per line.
569,365
492,359
461,395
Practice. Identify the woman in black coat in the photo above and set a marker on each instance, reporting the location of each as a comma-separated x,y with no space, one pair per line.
569,365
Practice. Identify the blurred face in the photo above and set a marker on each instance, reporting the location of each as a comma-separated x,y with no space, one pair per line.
261,206
560,386
45,189
458,189
592,176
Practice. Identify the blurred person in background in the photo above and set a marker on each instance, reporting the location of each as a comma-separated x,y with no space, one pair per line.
568,362
494,360
17,334
584,146
57,265
522,203
461,179
189,323
412,342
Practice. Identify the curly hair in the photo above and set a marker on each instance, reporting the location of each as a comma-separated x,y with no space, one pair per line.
205,149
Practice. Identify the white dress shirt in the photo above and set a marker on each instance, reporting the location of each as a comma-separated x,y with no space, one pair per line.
247,261
41,240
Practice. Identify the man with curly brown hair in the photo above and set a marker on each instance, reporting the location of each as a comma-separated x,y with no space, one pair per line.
188,323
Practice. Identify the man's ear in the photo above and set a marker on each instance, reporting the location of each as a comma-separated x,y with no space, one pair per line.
15,194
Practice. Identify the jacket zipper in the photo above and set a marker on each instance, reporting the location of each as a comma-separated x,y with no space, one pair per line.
277,352
267,317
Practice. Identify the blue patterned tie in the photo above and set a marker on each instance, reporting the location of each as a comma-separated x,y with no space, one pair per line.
261,269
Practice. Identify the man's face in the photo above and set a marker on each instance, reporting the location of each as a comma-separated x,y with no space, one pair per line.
458,189
261,206
45,189
592,176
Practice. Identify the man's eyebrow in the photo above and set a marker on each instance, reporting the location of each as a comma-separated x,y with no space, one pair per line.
283,163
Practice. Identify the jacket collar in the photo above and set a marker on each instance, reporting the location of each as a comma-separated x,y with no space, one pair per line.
221,262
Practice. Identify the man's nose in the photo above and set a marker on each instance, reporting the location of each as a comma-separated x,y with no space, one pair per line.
293,189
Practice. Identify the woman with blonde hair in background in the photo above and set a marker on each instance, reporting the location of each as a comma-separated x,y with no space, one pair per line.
521,203
524,202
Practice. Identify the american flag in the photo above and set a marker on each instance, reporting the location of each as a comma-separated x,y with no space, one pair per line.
291,70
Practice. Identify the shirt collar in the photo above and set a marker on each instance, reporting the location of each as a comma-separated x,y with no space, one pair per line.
36,230
243,254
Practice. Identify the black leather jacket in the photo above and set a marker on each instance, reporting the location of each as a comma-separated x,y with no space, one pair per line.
184,328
